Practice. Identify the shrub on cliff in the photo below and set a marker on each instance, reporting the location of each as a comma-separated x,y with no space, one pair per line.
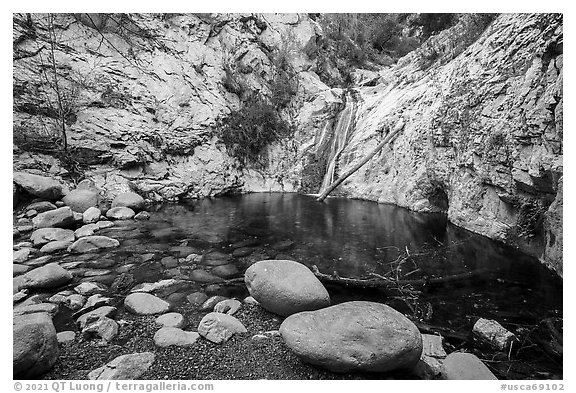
248,131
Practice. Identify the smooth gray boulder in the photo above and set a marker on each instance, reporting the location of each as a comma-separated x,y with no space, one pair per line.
145,304
129,199
123,367
61,217
91,215
120,213
219,328
354,336
51,275
46,235
34,345
173,336
93,243
54,246
40,186
465,366
81,200
285,287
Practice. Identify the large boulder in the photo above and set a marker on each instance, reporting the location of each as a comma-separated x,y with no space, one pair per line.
46,235
129,199
124,367
465,366
40,186
92,244
285,287
145,304
219,328
34,345
61,217
81,200
354,336
51,275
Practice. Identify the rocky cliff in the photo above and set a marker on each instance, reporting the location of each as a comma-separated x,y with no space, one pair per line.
482,136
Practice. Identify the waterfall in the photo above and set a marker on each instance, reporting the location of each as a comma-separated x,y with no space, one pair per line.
340,136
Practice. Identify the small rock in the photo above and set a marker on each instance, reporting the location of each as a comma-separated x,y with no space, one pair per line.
465,366
203,276
105,311
41,206
145,304
124,367
100,326
81,200
492,333
430,364
259,337
283,245
172,319
97,300
120,213
20,255
197,298
219,328
173,336
225,271
75,302
209,304
48,276
86,230
143,215
228,306
93,243
46,235
251,301
18,296
242,252
65,337
55,246
130,200
61,217
169,262
40,261
31,213
105,224
155,286
91,215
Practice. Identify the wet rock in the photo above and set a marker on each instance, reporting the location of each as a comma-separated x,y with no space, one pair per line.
124,367
46,235
48,276
173,336
61,217
200,275
228,306
215,258
34,345
209,304
155,286
20,256
55,246
41,206
65,337
86,230
242,252
101,327
143,215
172,319
91,215
81,200
96,272
169,262
120,213
354,336
130,200
183,251
18,269
104,311
145,304
283,245
285,287
93,243
493,334
40,186
465,366
197,298
219,328
225,271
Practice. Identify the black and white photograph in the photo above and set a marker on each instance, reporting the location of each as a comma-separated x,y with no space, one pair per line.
201,197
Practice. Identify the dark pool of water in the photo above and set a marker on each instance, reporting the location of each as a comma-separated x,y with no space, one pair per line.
354,238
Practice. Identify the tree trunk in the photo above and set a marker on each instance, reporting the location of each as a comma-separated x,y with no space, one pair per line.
386,140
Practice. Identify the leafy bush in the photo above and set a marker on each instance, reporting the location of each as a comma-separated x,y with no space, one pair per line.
248,131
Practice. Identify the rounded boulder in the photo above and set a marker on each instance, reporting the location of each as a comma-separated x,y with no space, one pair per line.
285,287
81,200
354,336
129,199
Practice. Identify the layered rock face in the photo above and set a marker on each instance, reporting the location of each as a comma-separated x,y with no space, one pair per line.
482,136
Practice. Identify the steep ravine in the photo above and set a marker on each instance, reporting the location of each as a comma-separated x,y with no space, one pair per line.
482,139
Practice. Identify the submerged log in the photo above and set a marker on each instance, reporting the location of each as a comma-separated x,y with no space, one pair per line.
386,140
